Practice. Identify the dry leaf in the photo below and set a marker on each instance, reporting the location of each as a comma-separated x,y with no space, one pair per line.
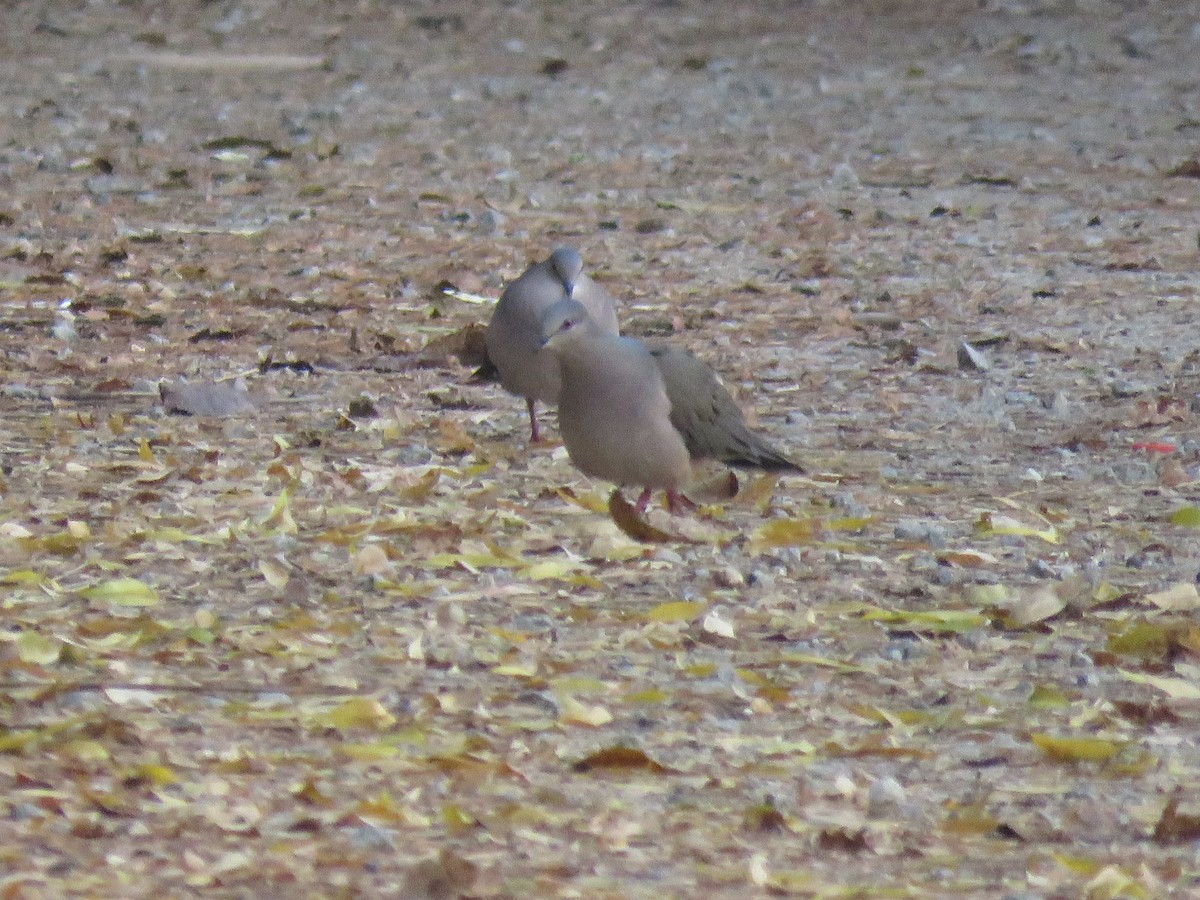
631,522
620,758
444,878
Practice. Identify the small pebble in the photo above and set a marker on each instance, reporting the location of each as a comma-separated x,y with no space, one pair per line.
1039,568
884,795
728,577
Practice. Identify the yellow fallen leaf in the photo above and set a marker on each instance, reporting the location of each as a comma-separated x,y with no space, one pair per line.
1175,688
369,753
648,696
123,592
853,524
85,750
37,649
152,774
280,516
384,808
358,712
1187,516
473,562
571,710
590,501
581,684
1080,865
1046,696
677,611
274,573
526,669
1077,749
936,621
809,659
784,533
551,569
991,524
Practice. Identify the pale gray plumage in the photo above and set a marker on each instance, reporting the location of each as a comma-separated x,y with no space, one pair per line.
637,415
514,335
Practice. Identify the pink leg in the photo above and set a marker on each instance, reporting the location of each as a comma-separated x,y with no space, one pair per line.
535,435
643,500
679,504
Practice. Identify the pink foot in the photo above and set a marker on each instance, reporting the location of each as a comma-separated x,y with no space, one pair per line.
643,500
678,504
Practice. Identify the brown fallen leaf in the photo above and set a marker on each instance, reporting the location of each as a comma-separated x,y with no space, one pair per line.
445,877
206,398
1174,827
1174,474
465,345
621,757
631,522
844,840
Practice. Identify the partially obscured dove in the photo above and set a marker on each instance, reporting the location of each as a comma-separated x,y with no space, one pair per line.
514,336
638,415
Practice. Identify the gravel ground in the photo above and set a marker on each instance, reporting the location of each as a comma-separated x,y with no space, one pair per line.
376,646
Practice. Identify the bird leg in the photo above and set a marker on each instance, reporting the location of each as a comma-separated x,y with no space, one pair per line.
679,504
676,502
535,435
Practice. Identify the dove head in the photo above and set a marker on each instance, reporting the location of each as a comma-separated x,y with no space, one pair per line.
564,321
568,266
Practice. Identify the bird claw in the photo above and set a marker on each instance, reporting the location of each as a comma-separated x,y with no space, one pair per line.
678,504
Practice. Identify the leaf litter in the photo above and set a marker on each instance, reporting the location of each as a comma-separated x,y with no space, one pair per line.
362,639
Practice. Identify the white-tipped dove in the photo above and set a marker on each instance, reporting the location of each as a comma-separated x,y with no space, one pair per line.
638,415
514,335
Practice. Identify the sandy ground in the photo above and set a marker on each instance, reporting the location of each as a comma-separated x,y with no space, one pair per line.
385,649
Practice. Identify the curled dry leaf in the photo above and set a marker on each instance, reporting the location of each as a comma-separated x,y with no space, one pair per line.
1032,605
620,757
633,524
